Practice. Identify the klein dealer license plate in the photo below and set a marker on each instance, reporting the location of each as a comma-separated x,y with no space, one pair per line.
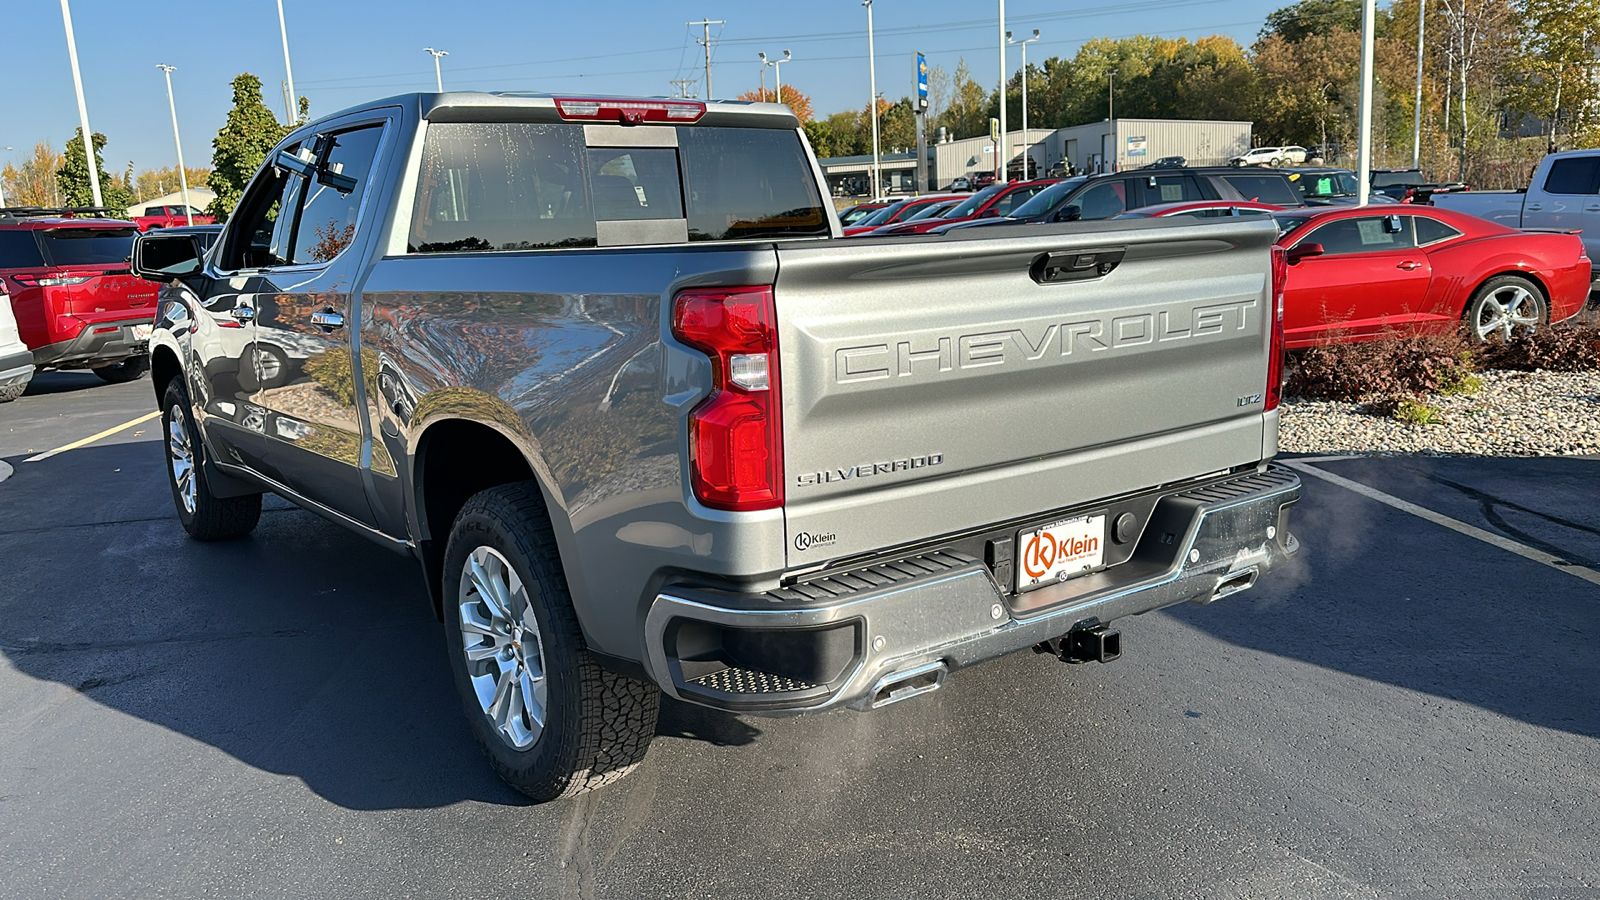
1061,550
141,332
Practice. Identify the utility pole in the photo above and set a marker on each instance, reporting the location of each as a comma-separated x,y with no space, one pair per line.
183,176
83,109
293,100
683,86
872,105
2,183
1111,117
438,79
1004,157
706,43
1364,162
1027,139
1416,120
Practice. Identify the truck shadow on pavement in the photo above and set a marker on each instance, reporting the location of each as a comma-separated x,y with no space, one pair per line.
1383,595
302,650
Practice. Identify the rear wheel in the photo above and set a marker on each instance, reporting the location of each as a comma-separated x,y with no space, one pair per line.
1505,306
204,515
131,369
552,722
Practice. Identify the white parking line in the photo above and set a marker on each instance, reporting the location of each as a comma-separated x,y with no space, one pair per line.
92,438
1471,531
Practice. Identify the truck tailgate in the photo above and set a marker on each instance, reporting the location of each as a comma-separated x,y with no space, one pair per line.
934,386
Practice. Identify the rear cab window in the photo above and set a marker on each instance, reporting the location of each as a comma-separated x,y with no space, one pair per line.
1573,175
538,186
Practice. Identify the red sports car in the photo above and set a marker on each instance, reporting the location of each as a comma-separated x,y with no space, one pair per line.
896,212
1359,273
994,200
1202,209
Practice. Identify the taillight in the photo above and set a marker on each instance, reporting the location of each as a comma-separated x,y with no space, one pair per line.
629,111
1280,278
50,280
736,434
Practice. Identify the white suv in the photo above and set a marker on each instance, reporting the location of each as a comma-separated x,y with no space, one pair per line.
1269,156
16,360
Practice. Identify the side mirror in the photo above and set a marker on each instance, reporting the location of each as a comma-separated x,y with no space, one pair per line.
1303,251
1069,214
1391,224
163,257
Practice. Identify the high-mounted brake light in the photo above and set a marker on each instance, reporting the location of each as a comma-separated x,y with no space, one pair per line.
736,434
630,112
1280,280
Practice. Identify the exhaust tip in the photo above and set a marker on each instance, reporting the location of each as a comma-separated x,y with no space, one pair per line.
899,686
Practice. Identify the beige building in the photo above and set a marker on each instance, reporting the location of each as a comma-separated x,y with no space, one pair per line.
199,198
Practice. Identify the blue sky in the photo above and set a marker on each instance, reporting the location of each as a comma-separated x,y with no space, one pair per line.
345,52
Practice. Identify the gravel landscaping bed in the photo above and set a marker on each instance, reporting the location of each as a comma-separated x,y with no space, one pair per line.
1513,414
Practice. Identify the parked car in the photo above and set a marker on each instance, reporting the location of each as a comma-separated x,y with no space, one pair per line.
1564,193
1104,196
982,180
76,304
960,183
994,200
855,214
1168,162
657,440
1359,273
1202,209
1264,156
1409,185
16,360
170,217
898,211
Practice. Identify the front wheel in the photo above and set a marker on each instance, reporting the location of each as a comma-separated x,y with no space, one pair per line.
204,515
1505,306
131,369
552,722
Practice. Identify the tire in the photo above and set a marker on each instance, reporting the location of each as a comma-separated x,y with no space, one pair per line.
525,641
12,391
204,515
131,369
1505,305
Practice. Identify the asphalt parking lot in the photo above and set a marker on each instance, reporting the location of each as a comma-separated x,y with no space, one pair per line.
1410,710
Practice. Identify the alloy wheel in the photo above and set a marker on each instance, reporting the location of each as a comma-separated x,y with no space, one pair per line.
180,452
503,649
1506,311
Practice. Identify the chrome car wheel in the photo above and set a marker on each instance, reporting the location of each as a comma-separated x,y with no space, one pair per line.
1505,311
180,450
503,649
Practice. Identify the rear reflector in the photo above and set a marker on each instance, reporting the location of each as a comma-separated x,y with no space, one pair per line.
630,112
736,434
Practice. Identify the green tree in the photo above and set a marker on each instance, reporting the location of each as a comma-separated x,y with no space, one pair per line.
242,144
1557,74
970,106
73,176
1313,17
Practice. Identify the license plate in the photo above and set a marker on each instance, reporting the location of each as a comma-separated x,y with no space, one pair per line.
141,332
1061,550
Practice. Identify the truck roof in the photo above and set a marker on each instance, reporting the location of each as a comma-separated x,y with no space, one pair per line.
594,109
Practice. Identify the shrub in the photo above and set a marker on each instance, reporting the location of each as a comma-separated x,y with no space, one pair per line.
1401,365
1563,348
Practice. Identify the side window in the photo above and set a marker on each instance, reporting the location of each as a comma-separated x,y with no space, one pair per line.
19,249
1573,176
1016,198
1272,189
1214,213
249,244
1171,189
330,202
1103,200
1431,231
1368,234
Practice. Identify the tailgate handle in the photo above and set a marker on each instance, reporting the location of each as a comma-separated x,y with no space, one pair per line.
1075,265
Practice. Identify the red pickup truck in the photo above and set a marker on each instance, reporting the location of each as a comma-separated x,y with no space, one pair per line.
170,217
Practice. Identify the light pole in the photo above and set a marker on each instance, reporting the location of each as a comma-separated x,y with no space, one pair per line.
292,100
183,176
1004,157
1364,161
1027,139
777,74
438,79
1416,119
83,109
2,181
1111,117
872,83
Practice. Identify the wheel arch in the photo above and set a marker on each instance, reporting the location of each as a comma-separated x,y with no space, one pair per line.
1502,270
164,367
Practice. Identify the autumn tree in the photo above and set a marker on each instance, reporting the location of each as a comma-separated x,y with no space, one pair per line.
158,182
1313,17
34,182
1556,80
799,103
242,144
968,113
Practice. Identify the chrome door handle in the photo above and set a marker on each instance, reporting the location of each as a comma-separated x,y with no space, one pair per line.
243,313
327,319
1408,265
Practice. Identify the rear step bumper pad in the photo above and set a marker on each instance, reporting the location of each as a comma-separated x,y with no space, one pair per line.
945,608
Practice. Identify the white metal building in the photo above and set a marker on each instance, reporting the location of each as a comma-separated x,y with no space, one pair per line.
199,198
1130,143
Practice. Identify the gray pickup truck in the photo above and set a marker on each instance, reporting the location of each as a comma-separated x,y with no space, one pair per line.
604,369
